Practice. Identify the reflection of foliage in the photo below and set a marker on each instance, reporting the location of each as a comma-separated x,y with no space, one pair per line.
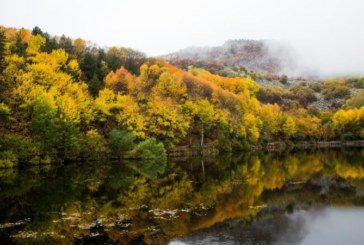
166,192
129,199
150,168
8,175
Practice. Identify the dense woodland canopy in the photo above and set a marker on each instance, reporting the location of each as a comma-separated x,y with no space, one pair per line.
64,99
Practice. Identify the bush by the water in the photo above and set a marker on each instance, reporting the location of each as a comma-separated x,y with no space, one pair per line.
120,141
150,149
8,159
23,147
94,145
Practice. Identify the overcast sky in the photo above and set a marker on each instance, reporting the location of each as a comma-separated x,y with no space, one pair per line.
329,34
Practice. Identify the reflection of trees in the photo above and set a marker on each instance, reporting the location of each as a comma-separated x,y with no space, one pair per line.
149,168
154,202
349,171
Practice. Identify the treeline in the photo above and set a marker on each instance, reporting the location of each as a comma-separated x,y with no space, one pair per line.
94,61
61,99
336,94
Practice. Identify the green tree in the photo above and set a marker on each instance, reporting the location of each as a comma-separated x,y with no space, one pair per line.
66,44
283,79
54,124
89,65
8,159
44,123
120,141
151,149
5,114
93,145
95,85
22,146
2,50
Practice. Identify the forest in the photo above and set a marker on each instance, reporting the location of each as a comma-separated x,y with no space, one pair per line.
64,99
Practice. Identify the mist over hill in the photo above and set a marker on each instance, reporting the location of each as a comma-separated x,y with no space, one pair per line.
263,56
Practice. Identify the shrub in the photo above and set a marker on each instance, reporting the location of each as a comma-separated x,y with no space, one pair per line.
304,95
8,159
37,160
299,136
335,89
317,87
347,136
120,141
94,145
224,143
271,95
23,147
357,82
4,113
237,145
356,100
283,79
150,149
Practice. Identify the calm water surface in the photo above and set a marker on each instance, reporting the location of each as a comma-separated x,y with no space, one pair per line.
296,198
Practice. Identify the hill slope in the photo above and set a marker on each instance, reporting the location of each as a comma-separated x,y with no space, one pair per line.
63,100
261,56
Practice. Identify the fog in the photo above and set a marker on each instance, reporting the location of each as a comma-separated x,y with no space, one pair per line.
327,35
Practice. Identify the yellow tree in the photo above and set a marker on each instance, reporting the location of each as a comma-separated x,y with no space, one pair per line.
349,121
120,81
307,125
170,85
130,116
205,113
271,117
165,120
35,44
79,46
251,126
289,127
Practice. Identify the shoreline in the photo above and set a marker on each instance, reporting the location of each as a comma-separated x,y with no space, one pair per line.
304,145
278,146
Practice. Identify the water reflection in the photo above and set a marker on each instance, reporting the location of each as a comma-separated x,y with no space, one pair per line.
153,202
318,225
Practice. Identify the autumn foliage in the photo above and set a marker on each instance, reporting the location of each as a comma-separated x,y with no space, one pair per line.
67,100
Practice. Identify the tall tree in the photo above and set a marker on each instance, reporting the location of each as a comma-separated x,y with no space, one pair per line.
37,31
2,51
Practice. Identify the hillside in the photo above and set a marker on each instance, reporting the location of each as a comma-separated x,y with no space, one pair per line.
268,57
64,100
266,62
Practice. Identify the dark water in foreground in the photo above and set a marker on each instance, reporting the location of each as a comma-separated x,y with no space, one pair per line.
297,198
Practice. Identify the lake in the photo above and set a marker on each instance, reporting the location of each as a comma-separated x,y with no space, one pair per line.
312,197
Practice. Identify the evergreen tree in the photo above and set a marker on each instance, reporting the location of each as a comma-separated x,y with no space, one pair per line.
2,51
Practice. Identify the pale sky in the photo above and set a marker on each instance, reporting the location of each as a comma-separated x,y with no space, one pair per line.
329,34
